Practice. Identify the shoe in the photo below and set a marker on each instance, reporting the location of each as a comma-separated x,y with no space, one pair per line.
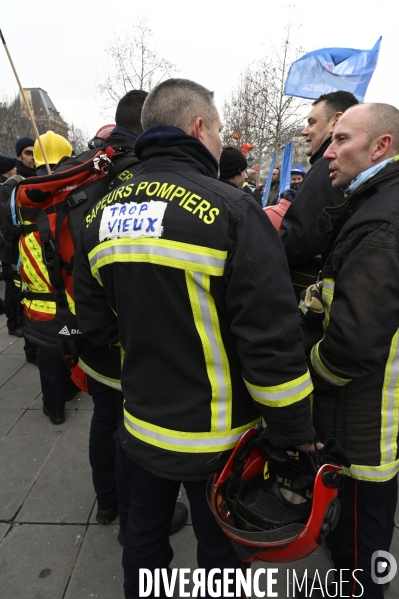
121,536
55,418
179,518
107,515
17,332
32,360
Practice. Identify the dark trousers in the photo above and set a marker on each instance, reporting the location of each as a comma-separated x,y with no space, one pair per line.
146,544
55,380
13,306
12,298
107,413
365,525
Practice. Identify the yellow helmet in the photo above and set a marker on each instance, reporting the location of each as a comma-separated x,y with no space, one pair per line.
55,147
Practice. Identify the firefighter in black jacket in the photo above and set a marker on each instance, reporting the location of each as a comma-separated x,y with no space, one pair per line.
355,366
300,235
193,282
103,364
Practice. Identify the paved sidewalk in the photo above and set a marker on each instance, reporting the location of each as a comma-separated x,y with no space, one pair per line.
50,544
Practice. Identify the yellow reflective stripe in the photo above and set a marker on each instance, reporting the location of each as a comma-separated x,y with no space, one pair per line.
35,249
38,285
185,442
390,405
158,251
377,474
284,394
323,371
328,295
48,307
40,306
114,383
216,361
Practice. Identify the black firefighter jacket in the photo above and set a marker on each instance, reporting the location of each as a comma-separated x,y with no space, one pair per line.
355,367
300,235
103,363
193,282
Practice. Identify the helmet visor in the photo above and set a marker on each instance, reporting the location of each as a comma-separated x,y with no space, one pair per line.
247,533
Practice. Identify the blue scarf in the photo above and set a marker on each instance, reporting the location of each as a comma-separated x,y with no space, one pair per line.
368,174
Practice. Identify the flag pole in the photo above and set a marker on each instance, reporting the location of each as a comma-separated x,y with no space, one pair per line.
21,89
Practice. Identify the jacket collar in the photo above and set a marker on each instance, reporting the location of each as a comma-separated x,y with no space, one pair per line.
331,216
173,144
384,178
227,182
121,139
23,170
319,154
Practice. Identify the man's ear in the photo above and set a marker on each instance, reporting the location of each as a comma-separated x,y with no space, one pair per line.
195,129
380,147
334,120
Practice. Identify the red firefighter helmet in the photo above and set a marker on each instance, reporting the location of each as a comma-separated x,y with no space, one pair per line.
277,212
274,505
105,131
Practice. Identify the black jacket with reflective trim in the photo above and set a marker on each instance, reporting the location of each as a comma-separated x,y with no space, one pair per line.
104,363
301,239
197,310
355,366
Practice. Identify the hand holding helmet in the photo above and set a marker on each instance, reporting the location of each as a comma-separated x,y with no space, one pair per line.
276,505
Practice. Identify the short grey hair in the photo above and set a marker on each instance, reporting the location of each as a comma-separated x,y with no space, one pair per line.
252,175
178,102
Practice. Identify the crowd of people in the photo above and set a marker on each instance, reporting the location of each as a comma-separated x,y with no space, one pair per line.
189,299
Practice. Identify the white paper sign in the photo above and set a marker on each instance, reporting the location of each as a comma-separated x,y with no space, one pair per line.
132,220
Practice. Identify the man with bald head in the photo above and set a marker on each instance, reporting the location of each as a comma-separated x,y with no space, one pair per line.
355,367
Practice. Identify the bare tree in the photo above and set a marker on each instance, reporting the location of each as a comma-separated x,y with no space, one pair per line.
258,111
78,139
246,113
14,123
135,64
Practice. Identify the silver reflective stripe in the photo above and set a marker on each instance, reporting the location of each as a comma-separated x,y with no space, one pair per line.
101,379
215,364
390,404
328,294
194,442
328,285
169,252
376,473
323,371
281,395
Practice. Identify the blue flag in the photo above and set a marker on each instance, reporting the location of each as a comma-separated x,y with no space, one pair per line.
268,181
331,69
285,174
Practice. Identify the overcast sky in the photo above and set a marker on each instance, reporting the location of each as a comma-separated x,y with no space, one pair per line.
60,46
